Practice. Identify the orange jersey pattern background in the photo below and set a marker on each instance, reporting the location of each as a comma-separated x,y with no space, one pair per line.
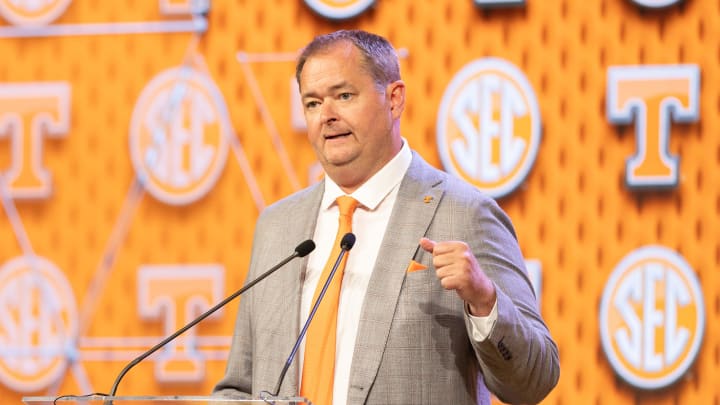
96,246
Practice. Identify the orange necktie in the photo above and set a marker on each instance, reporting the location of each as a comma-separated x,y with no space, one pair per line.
319,364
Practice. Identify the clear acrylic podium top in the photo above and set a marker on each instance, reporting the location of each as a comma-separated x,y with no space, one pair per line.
161,400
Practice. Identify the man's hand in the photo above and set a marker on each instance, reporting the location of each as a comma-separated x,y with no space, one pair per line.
457,269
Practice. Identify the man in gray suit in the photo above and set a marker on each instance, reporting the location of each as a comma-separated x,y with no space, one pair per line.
436,306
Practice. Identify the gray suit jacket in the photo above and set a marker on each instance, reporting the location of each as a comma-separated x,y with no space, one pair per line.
412,344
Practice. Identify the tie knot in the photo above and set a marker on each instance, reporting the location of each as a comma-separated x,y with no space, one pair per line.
347,205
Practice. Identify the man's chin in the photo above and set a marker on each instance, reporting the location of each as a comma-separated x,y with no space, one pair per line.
339,158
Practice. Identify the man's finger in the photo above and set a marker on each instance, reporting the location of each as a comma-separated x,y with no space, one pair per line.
427,244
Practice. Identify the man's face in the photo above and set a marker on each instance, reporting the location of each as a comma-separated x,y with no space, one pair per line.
350,120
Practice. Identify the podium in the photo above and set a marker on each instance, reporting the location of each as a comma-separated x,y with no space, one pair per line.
161,400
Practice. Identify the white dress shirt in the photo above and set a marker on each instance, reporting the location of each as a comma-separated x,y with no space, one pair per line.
376,197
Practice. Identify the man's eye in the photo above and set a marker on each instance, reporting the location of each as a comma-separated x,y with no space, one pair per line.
345,96
311,104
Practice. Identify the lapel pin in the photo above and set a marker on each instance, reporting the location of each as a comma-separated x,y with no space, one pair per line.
427,199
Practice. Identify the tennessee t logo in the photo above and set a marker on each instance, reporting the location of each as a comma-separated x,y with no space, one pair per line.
28,113
176,294
653,96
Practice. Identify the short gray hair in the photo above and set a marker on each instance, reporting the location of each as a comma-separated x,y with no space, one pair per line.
379,57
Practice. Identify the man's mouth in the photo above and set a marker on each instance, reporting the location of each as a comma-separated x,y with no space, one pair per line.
336,136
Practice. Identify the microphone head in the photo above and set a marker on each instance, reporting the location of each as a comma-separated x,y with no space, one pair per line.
305,247
347,241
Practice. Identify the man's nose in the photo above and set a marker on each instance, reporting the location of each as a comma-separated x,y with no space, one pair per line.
327,111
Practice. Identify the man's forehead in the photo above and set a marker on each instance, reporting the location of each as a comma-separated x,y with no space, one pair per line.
329,70
339,52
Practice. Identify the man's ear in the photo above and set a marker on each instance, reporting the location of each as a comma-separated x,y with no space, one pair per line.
396,94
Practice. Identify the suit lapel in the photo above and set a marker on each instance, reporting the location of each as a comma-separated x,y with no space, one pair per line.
417,200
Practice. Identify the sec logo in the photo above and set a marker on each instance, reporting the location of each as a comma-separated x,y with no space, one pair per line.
656,3
179,135
652,317
32,13
488,126
38,323
339,9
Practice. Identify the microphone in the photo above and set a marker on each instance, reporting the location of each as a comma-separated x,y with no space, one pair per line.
302,250
347,242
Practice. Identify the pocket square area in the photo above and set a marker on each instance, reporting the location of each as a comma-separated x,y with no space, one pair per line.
415,266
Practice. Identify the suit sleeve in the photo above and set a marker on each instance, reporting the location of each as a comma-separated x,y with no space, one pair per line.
237,381
238,378
519,359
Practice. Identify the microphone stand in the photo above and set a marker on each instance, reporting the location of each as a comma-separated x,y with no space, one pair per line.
346,244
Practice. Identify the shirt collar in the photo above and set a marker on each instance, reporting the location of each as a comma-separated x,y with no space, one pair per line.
373,191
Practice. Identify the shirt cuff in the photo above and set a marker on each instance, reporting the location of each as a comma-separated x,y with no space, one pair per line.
481,326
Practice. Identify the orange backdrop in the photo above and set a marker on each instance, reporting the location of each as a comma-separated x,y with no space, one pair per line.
108,236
